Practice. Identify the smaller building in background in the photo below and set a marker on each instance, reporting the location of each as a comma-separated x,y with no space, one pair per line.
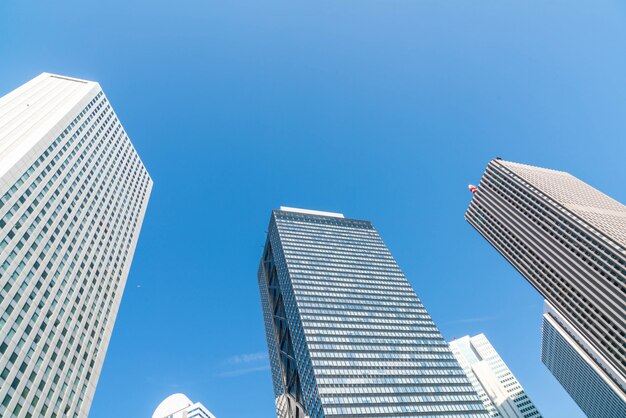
180,406
582,371
499,390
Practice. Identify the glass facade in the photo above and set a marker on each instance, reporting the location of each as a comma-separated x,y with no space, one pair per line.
346,333
73,193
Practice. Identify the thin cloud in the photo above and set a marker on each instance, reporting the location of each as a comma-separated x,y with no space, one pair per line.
240,372
246,363
247,358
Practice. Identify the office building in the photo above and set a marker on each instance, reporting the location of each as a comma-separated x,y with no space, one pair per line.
580,368
569,241
500,391
179,406
73,194
346,333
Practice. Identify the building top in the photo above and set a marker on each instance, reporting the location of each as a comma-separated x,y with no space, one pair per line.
172,404
179,405
312,212
598,210
42,107
464,345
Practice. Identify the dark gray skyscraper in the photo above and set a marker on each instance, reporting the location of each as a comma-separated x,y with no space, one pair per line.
346,333
569,241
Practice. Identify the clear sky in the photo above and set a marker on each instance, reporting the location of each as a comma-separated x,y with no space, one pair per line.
382,110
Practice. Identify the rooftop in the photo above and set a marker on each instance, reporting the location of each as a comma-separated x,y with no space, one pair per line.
312,212
41,108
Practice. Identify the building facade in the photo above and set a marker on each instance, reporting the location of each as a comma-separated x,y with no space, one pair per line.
572,360
180,406
501,393
73,193
569,241
346,333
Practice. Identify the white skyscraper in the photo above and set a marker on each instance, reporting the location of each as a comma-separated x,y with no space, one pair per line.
180,406
499,390
73,194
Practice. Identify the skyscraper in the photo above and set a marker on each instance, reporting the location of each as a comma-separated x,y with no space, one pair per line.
569,241
346,333
497,387
580,369
180,406
73,194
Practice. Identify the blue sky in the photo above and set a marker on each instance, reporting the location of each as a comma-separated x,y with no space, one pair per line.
382,110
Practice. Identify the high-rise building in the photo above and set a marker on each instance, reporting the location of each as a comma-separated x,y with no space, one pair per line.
580,368
500,391
73,193
346,333
569,241
180,406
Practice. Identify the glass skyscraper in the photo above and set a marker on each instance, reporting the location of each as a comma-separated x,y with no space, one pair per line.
346,333
73,194
569,241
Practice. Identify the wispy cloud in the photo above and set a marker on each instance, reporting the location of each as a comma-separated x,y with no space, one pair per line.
246,363
239,372
247,358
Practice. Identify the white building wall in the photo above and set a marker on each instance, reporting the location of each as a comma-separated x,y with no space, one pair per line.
180,406
73,194
500,391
